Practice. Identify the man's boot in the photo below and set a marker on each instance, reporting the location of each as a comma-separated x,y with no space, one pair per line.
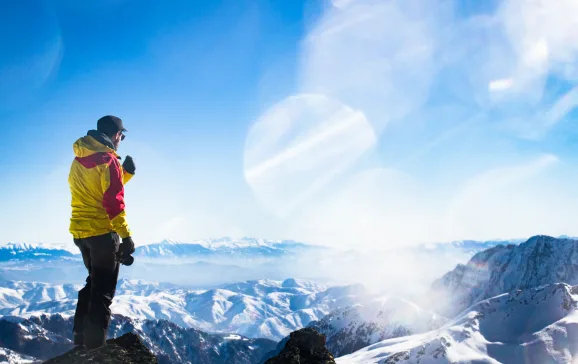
94,335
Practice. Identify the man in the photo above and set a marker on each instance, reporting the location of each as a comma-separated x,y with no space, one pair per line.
98,223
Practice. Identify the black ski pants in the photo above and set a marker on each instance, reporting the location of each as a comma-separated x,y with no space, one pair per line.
92,316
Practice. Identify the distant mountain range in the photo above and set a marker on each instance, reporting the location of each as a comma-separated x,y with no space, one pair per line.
167,249
223,247
245,247
212,262
257,309
25,251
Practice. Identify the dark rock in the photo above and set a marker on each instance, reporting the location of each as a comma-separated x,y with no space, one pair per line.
305,346
125,349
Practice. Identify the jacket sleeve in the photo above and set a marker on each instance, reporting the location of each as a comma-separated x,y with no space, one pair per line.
113,198
125,176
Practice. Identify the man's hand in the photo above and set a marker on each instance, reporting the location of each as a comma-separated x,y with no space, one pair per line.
126,247
125,250
128,165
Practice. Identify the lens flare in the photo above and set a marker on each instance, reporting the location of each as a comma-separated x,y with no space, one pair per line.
299,145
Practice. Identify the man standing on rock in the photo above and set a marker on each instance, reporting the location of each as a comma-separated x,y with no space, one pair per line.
98,223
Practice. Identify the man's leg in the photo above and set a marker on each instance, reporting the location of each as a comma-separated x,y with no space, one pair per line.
83,297
103,275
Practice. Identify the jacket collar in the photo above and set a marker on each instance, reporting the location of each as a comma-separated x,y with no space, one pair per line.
101,138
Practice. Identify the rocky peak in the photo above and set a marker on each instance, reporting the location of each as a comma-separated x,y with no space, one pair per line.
125,349
305,346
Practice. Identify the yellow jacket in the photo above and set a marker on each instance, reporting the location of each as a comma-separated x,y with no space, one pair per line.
96,182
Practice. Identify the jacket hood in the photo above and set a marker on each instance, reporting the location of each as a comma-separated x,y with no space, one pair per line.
93,142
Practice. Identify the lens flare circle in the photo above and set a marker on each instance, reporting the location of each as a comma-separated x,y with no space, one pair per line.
299,145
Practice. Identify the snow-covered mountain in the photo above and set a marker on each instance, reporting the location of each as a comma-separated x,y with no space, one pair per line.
50,335
244,247
207,263
264,308
168,249
34,251
352,328
538,325
540,260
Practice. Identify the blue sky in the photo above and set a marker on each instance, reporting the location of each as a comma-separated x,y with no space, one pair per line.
349,123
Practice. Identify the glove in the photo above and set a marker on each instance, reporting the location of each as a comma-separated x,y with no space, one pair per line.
126,247
125,250
126,260
128,165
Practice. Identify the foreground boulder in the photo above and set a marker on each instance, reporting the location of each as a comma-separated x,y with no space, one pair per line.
125,349
305,346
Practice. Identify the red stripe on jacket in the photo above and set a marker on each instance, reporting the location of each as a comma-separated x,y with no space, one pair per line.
113,199
95,159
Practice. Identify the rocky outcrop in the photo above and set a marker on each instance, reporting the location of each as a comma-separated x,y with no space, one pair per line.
123,350
305,346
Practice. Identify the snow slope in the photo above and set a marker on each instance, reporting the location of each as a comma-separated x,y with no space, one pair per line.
540,260
538,325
